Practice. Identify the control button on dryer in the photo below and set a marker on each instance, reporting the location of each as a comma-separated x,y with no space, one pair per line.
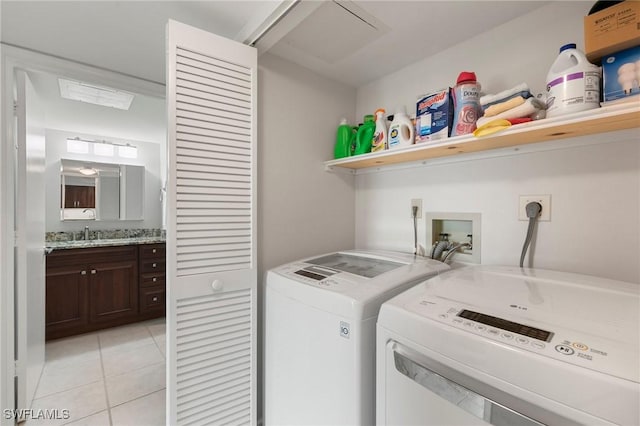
443,316
538,345
507,336
458,320
522,340
481,327
564,350
468,324
493,332
580,346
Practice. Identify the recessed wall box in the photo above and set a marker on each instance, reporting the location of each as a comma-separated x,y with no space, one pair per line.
461,228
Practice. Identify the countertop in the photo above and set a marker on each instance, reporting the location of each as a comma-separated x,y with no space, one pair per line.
61,245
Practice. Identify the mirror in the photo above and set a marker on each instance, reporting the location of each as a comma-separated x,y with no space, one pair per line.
101,191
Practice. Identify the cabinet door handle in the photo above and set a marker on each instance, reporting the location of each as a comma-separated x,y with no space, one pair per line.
154,265
154,279
93,272
155,298
83,272
153,251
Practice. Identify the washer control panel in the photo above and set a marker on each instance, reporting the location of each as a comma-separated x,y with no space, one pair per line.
318,276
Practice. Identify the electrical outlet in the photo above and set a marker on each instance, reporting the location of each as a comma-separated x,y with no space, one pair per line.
418,203
545,202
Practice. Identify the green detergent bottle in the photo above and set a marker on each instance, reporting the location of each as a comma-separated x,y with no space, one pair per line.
365,135
344,139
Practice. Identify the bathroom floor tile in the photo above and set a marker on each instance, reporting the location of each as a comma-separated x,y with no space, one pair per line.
122,360
135,384
99,419
146,411
70,349
81,402
59,376
129,336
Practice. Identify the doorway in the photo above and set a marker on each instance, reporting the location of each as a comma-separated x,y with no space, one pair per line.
111,375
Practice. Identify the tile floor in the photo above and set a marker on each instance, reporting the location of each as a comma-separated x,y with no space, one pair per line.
113,377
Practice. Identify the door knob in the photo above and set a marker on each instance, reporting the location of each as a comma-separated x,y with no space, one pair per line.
216,285
93,272
83,272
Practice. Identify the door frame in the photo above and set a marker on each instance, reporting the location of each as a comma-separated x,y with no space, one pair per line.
12,59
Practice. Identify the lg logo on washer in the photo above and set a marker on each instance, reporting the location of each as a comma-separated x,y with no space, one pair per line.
345,329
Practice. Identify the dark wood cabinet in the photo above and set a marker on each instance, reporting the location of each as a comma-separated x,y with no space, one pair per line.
152,279
88,289
113,291
67,302
79,196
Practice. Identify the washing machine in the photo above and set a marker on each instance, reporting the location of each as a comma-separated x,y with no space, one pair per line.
510,346
319,344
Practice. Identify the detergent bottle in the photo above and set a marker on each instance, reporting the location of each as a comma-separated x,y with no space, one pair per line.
573,83
379,142
344,139
401,131
364,137
466,104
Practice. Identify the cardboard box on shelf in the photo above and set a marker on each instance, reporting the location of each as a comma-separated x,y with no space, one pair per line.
433,116
611,30
621,75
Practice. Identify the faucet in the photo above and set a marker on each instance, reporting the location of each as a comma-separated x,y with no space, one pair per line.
86,233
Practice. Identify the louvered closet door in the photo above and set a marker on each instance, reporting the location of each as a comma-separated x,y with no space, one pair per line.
211,229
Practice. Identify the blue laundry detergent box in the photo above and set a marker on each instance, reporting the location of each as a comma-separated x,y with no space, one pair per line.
621,75
434,114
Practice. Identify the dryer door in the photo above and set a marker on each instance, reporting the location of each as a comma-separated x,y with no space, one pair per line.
421,390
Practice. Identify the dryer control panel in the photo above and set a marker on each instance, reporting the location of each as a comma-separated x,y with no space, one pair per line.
587,351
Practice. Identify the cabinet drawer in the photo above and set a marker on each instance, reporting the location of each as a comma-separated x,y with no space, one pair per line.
147,266
152,299
152,251
151,279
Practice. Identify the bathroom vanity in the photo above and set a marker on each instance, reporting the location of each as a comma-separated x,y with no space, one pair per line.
101,284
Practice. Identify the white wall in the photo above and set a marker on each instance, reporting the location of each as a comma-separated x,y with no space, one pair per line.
302,209
595,226
148,156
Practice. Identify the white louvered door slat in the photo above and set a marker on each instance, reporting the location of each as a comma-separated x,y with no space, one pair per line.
211,229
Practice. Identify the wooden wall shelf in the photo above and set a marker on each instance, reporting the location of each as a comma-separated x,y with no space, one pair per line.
605,119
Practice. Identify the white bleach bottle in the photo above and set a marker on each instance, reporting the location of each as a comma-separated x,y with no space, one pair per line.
401,131
573,83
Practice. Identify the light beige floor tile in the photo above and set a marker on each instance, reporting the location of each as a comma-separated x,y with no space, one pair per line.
157,330
99,419
146,411
135,384
125,337
59,376
81,402
161,342
70,349
121,360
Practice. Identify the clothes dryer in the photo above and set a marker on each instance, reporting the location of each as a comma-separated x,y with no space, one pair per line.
509,346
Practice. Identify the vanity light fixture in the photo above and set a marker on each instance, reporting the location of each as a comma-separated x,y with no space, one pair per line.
77,146
127,151
93,94
101,147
